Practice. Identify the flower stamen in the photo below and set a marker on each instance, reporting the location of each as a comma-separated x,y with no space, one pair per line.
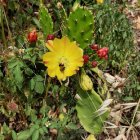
62,67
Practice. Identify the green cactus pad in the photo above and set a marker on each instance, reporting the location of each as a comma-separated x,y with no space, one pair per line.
80,26
45,21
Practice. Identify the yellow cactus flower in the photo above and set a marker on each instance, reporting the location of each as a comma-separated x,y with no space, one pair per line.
85,82
64,58
100,1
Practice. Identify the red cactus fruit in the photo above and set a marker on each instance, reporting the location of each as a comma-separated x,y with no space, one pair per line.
50,37
32,36
103,53
86,58
94,47
94,64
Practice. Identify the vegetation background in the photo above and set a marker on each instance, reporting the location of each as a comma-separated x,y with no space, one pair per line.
34,106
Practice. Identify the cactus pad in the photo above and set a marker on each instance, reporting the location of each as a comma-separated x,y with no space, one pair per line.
80,26
45,21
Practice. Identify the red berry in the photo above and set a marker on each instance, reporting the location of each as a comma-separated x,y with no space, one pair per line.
103,52
106,49
86,58
94,64
94,47
32,36
50,37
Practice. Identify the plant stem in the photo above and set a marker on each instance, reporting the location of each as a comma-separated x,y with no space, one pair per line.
136,109
2,26
9,32
131,125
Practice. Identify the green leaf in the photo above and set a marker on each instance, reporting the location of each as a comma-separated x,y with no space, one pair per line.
1,137
36,21
14,135
33,59
45,129
28,109
18,74
29,71
44,121
5,128
87,105
27,57
37,84
45,21
33,116
36,126
35,135
32,83
12,64
39,87
1,74
72,126
32,129
41,131
24,135
55,125
39,78
129,98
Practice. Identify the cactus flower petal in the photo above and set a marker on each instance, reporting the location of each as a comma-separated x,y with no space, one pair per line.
64,58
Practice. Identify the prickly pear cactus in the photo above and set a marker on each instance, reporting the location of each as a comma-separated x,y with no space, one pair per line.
80,26
45,21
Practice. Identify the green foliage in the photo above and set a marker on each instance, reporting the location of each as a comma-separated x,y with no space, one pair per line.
45,21
16,72
42,100
87,106
37,130
131,91
4,132
19,19
23,135
80,26
114,31
14,135
37,84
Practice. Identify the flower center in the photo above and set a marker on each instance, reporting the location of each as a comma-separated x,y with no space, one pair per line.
63,62
62,67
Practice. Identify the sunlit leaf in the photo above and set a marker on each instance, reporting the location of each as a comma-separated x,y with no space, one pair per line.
86,108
